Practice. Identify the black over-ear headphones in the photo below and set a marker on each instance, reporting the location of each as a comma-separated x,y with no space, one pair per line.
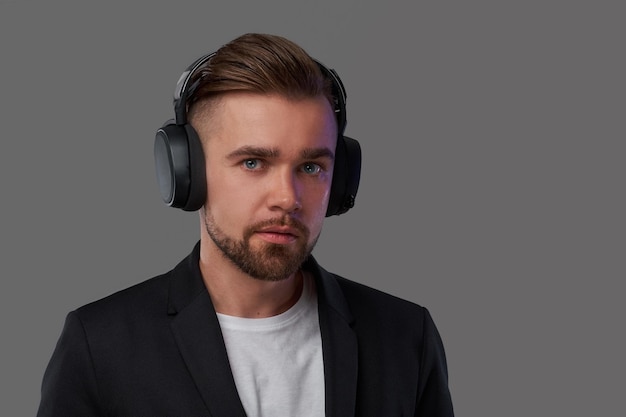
179,158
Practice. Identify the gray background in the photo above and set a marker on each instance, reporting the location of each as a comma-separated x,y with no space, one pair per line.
492,190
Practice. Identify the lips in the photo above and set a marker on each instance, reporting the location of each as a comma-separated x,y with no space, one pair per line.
280,232
280,235
286,230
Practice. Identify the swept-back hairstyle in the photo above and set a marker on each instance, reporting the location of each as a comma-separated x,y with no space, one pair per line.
259,63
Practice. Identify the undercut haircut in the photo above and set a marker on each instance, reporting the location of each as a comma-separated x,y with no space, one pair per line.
258,63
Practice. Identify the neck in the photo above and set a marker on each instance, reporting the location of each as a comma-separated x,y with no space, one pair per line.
236,293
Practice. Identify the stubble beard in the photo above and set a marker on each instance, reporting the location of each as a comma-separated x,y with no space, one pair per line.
270,261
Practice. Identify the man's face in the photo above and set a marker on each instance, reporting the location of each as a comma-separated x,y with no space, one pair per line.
269,163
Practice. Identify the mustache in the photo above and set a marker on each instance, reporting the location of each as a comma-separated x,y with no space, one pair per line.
280,221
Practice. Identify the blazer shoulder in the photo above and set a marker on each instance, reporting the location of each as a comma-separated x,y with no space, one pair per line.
374,311
358,293
153,299
140,296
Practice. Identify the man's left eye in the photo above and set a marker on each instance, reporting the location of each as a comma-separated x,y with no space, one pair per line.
311,168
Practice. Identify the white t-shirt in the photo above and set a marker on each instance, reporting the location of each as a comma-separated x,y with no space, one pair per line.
277,361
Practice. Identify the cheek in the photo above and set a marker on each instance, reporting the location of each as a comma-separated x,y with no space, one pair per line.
317,202
222,185
226,200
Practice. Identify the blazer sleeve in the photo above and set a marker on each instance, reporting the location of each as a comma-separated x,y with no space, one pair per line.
433,396
69,387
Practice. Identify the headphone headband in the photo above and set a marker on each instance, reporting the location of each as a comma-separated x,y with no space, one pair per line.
181,93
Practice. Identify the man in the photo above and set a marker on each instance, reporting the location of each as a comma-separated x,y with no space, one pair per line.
249,324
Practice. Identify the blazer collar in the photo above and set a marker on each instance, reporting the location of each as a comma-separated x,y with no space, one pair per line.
199,338
201,344
339,343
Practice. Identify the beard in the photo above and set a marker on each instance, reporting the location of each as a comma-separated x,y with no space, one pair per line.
270,261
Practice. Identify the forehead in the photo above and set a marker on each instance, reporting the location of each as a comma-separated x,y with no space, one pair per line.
239,119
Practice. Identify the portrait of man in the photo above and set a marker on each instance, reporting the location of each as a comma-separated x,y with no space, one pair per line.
249,324
343,189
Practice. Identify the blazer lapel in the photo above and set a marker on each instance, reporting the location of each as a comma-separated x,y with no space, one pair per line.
197,333
199,338
339,344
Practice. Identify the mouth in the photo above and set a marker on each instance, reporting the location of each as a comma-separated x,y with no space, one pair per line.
280,231
278,234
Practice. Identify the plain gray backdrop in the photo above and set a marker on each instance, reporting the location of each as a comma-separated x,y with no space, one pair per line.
492,189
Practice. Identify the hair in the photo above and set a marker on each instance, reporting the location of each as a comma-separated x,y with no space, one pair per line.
258,63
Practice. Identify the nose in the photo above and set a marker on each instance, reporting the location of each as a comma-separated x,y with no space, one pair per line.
285,192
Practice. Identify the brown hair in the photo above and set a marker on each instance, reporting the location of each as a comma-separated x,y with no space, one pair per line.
262,64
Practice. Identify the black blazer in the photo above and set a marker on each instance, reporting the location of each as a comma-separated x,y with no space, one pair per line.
156,349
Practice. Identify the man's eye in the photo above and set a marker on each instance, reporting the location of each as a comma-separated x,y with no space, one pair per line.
251,164
312,169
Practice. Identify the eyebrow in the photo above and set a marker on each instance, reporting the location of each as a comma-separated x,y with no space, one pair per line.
315,153
260,152
254,151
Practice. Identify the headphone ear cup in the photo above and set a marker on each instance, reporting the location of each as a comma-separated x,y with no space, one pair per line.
197,171
346,176
179,163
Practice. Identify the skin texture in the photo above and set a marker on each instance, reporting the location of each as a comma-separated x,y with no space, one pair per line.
269,163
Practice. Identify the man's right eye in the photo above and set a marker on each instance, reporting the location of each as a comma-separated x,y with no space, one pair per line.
251,164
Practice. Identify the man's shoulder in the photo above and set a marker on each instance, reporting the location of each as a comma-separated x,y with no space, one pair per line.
149,294
374,313
150,297
363,294
367,303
